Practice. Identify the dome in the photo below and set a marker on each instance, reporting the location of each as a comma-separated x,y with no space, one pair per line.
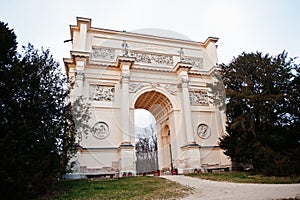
161,33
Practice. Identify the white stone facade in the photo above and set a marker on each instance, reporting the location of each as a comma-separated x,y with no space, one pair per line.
117,72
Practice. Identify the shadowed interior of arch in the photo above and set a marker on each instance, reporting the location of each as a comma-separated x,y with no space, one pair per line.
156,103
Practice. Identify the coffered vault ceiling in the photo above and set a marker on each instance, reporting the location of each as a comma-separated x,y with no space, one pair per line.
156,103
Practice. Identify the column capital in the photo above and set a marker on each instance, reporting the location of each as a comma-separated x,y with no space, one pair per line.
184,82
124,78
79,75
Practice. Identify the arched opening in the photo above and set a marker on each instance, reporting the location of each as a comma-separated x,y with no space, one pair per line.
145,142
158,133
166,149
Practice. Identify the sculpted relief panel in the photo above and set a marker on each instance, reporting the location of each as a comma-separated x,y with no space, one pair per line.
150,58
103,53
198,98
102,93
203,131
109,54
100,130
197,63
134,87
172,89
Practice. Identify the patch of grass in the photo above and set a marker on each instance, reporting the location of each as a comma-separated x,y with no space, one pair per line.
246,177
144,187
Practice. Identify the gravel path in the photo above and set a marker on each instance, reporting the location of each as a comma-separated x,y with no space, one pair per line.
213,190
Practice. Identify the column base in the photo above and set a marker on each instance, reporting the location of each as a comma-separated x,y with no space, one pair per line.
126,145
127,159
192,157
191,145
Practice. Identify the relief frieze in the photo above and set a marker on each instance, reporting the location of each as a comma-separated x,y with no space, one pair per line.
103,53
134,87
151,58
198,98
197,63
102,93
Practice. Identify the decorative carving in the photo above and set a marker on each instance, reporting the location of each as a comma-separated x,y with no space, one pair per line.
100,130
184,83
198,98
125,76
102,93
134,87
124,79
203,131
125,48
153,85
181,54
151,58
103,53
79,75
172,89
185,80
195,62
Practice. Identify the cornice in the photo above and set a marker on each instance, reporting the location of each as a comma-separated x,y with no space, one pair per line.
139,35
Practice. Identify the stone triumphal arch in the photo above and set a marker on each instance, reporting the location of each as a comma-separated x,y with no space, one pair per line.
118,71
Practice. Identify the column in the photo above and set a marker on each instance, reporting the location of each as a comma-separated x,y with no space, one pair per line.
77,91
166,152
182,72
187,112
82,35
125,64
191,149
127,151
125,108
79,78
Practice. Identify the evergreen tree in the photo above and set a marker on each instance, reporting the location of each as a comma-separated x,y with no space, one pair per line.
37,129
262,108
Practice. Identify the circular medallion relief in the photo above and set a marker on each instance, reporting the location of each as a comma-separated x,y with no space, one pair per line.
203,131
100,130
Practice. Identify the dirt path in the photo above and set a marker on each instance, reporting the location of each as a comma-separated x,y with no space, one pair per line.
213,190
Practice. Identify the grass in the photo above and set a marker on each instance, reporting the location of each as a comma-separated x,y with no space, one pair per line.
143,187
246,177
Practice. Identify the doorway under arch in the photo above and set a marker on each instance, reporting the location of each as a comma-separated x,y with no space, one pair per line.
145,142
161,108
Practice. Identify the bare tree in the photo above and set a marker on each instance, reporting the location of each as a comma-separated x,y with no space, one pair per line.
146,150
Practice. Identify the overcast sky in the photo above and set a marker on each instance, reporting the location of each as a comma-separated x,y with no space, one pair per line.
270,26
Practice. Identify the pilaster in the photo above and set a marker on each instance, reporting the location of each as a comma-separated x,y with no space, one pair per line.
125,64
83,26
79,78
182,71
127,152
